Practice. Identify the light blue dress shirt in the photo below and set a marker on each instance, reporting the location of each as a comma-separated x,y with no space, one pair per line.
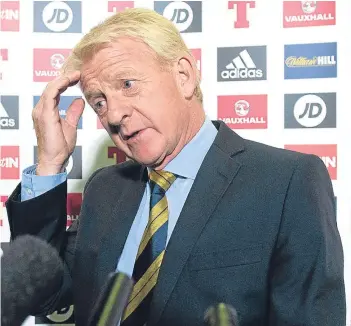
186,165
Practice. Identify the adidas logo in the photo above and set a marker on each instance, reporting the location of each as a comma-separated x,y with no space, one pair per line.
5,120
242,67
3,112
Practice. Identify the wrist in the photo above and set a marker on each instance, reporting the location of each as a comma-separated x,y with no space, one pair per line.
46,169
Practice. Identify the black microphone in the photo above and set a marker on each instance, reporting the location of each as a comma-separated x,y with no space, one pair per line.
113,299
31,272
221,315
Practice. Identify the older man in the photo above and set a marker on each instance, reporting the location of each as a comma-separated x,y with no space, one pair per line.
198,215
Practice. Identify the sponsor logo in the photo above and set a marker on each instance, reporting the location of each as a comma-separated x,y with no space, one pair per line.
63,316
197,55
316,110
317,60
58,16
65,102
9,162
10,16
74,203
74,164
118,6
9,115
4,57
242,63
308,13
241,9
47,63
3,212
327,153
186,15
116,154
243,111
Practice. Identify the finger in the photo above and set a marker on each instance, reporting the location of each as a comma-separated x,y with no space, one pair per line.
59,85
64,81
49,100
75,111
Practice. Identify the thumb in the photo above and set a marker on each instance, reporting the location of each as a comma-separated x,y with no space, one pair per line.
75,111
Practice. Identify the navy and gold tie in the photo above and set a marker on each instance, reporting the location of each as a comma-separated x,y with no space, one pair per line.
151,251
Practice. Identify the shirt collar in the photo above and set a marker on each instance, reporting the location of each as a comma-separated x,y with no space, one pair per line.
187,163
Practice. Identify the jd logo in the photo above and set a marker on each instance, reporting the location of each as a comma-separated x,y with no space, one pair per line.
74,164
310,110
180,14
186,15
57,16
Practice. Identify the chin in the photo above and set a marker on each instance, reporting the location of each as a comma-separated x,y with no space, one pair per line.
150,153
150,160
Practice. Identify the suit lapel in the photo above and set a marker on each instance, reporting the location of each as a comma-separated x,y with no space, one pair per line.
115,228
216,173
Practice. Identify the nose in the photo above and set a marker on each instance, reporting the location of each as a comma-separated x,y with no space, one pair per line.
118,111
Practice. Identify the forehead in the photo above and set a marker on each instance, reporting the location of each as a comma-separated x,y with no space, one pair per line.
124,56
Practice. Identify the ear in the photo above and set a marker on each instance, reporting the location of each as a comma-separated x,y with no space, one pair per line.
187,75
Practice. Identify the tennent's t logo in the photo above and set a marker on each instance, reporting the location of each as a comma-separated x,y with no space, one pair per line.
241,12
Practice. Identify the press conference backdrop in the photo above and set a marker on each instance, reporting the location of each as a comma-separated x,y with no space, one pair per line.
275,71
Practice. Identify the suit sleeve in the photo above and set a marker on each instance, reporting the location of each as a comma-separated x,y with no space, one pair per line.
307,282
33,185
45,216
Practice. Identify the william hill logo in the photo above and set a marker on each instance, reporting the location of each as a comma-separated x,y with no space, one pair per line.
320,61
311,60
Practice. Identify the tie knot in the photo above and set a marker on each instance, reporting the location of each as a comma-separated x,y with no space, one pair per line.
162,179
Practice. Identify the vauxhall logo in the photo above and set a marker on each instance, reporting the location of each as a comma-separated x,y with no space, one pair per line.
308,13
242,63
243,111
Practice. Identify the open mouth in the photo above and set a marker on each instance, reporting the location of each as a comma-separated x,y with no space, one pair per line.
134,134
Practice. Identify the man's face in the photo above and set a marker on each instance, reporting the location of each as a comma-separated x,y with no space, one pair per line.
140,104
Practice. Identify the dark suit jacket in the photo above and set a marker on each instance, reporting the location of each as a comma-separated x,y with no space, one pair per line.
258,231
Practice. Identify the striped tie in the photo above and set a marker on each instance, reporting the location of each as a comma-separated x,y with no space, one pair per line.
151,251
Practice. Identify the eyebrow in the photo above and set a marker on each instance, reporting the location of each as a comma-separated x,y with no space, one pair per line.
89,95
122,74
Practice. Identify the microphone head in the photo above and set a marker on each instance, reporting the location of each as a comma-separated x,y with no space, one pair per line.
112,300
31,272
221,315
